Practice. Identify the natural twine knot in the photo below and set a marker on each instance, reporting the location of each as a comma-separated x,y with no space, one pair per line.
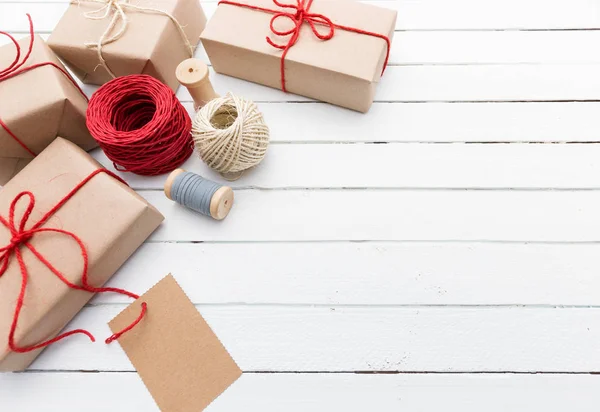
230,134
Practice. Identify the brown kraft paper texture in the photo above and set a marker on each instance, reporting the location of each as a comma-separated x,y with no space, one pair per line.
108,216
37,106
151,43
344,70
180,359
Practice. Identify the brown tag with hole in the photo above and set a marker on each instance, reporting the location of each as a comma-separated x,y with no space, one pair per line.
180,359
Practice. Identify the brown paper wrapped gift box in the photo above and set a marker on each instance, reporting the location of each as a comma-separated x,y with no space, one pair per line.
151,43
344,70
109,217
37,106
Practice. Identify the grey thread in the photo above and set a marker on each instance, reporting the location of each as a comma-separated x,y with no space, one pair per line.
194,192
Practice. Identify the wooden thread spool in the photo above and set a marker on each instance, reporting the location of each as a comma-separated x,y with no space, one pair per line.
193,74
220,202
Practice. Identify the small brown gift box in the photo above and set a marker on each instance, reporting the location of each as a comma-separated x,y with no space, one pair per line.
109,217
151,42
37,106
343,70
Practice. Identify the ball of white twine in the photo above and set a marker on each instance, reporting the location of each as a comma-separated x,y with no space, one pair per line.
230,134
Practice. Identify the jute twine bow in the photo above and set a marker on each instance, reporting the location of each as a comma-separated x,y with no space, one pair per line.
119,8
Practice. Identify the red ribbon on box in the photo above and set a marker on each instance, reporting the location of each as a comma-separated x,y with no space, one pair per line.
301,15
20,236
15,69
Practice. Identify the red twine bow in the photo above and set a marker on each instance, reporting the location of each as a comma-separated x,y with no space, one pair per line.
301,15
21,236
16,68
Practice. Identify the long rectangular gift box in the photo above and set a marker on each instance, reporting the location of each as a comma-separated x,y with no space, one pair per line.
36,105
102,39
107,216
334,51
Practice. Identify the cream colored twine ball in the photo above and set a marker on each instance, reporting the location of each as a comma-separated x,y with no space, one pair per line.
230,135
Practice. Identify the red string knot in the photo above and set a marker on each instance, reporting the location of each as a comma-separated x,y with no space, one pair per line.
300,15
19,235
19,239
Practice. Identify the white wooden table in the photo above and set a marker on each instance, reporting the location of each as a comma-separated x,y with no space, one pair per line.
441,252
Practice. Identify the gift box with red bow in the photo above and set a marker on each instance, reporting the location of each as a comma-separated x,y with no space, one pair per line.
66,226
334,51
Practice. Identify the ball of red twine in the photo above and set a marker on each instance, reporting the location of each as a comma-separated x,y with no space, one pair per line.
141,125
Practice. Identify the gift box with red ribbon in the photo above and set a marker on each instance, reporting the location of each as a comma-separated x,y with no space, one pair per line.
38,101
66,226
334,51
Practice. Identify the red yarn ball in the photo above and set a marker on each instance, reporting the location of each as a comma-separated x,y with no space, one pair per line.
141,125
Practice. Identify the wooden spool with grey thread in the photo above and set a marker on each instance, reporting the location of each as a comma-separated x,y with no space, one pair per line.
201,195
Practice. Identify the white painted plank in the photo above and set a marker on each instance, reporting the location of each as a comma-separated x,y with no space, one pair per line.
522,166
305,338
302,392
457,83
449,83
481,47
372,273
494,47
412,122
570,82
435,122
456,122
325,215
431,14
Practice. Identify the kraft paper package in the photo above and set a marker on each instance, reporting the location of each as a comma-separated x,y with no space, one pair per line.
343,70
153,39
111,220
36,106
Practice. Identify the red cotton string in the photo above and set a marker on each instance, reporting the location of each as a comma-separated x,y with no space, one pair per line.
16,68
141,125
20,236
128,328
300,15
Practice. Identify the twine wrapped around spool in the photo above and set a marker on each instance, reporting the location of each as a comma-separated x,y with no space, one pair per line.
230,135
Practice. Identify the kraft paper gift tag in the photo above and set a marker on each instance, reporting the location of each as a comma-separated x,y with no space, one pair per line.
179,358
